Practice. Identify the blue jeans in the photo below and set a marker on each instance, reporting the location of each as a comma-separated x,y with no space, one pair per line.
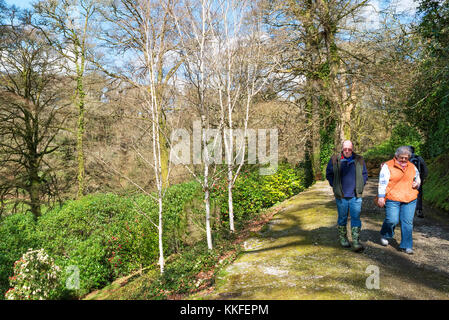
396,212
354,206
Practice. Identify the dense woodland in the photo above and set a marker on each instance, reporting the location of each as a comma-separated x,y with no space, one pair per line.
92,90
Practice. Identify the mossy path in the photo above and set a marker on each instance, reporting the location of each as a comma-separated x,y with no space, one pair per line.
296,256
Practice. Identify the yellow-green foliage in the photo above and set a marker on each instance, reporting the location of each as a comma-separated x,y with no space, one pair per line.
436,186
253,192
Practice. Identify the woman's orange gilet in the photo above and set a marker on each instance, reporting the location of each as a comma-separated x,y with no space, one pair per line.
399,187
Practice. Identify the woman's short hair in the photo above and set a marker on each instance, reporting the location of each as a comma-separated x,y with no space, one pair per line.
403,150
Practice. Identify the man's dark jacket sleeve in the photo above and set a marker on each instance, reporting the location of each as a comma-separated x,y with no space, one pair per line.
364,173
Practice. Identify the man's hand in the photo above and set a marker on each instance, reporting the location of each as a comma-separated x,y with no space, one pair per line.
381,202
415,185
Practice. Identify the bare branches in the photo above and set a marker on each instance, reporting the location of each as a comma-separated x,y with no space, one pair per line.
31,114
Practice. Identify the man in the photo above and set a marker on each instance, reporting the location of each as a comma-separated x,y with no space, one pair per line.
422,168
347,175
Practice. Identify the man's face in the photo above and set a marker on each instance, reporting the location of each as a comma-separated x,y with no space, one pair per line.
347,150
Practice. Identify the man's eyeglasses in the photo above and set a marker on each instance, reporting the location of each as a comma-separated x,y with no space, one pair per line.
347,149
403,158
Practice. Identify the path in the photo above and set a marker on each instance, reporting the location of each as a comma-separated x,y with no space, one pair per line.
296,256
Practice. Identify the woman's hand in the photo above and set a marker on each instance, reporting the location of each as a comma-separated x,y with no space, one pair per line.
415,185
381,202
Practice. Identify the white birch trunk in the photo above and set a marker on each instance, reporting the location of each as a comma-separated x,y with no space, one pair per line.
205,123
161,245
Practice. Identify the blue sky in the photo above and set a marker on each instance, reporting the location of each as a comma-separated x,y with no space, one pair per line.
20,3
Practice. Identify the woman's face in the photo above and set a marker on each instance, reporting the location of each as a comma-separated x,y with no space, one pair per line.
402,159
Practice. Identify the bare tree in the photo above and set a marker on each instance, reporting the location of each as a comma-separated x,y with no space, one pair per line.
69,24
142,33
240,71
194,23
32,112
314,33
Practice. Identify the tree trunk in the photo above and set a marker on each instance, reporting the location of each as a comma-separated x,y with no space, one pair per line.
333,92
345,123
80,128
206,181
80,151
316,137
160,228
313,89
34,192
230,201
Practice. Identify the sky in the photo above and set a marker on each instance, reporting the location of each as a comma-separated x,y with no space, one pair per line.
25,4
405,9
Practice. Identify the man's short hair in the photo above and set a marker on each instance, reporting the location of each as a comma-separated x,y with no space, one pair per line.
346,141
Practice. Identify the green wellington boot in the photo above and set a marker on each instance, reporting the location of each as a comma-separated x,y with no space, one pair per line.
357,246
343,236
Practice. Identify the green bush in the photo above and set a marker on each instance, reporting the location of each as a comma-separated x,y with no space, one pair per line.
107,236
78,235
104,236
402,135
253,192
17,235
436,186
175,201
279,186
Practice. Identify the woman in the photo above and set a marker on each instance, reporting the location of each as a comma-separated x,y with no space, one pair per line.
398,184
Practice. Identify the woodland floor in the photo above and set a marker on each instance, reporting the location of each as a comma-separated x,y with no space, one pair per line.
297,256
